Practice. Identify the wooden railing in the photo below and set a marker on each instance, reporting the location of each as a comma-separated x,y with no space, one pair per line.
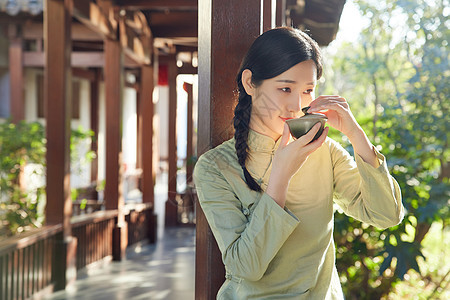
141,222
94,236
26,263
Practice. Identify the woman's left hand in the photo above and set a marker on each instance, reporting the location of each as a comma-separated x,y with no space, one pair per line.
338,113
341,118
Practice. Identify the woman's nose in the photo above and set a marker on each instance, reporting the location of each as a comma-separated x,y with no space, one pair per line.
295,105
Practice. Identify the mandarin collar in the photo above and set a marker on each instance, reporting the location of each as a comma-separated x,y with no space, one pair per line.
261,143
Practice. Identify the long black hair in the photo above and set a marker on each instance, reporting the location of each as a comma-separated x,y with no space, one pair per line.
272,53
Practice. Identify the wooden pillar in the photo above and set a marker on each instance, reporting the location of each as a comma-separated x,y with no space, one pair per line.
266,15
190,132
139,132
223,42
95,117
16,80
280,13
57,95
146,109
114,83
171,203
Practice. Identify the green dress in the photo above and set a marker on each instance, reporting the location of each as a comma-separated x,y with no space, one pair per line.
275,253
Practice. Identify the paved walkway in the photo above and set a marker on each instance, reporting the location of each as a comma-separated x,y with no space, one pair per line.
165,270
161,271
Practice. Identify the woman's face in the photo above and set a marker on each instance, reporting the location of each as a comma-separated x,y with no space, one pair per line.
280,98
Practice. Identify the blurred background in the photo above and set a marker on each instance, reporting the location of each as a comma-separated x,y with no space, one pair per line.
390,60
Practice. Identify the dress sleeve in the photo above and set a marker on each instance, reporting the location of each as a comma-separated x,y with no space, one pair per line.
247,247
368,194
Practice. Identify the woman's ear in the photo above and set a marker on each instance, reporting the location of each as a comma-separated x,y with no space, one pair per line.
247,82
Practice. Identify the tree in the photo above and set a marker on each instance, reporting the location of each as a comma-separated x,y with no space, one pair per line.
21,203
399,66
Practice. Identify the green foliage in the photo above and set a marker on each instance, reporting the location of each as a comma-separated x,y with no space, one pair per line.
396,78
20,145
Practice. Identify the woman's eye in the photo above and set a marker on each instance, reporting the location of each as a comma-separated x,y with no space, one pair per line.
286,89
309,91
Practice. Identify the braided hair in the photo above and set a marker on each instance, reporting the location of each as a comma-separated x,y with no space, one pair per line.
272,53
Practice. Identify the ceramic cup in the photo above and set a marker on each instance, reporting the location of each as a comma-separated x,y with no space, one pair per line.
303,125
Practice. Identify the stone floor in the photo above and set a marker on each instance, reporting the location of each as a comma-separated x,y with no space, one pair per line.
165,270
161,271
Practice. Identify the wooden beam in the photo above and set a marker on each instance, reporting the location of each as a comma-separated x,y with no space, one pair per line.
79,32
157,4
171,203
175,31
16,75
78,60
91,15
186,48
90,75
223,43
187,69
174,24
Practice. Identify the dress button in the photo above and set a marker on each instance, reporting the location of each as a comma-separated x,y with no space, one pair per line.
246,211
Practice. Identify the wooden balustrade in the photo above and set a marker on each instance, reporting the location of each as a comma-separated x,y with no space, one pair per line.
26,263
94,234
26,260
141,222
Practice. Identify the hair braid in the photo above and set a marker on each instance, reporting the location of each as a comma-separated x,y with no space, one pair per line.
241,122
272,53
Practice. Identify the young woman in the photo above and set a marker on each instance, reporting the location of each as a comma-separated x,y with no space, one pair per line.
269,198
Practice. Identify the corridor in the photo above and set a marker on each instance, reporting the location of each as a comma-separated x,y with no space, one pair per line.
161,271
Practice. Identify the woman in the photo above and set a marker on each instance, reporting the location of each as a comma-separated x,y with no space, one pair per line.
269,198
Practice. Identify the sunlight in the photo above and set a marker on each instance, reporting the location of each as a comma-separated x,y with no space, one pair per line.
350,25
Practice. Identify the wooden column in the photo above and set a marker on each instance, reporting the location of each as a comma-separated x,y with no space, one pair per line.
58,102
280,19
190,132
95,117
146,110
223,41
114,83
171,203
266,15
16,80
139,128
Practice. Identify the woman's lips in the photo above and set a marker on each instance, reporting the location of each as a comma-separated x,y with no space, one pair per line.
285,119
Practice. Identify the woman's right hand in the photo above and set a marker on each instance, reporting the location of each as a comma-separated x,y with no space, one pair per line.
288,159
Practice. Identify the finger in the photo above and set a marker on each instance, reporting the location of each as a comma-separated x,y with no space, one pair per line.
305,139
331,105
286,135
317,143
320,102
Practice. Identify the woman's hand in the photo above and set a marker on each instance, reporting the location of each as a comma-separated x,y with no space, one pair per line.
289,158
341,118
338,113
